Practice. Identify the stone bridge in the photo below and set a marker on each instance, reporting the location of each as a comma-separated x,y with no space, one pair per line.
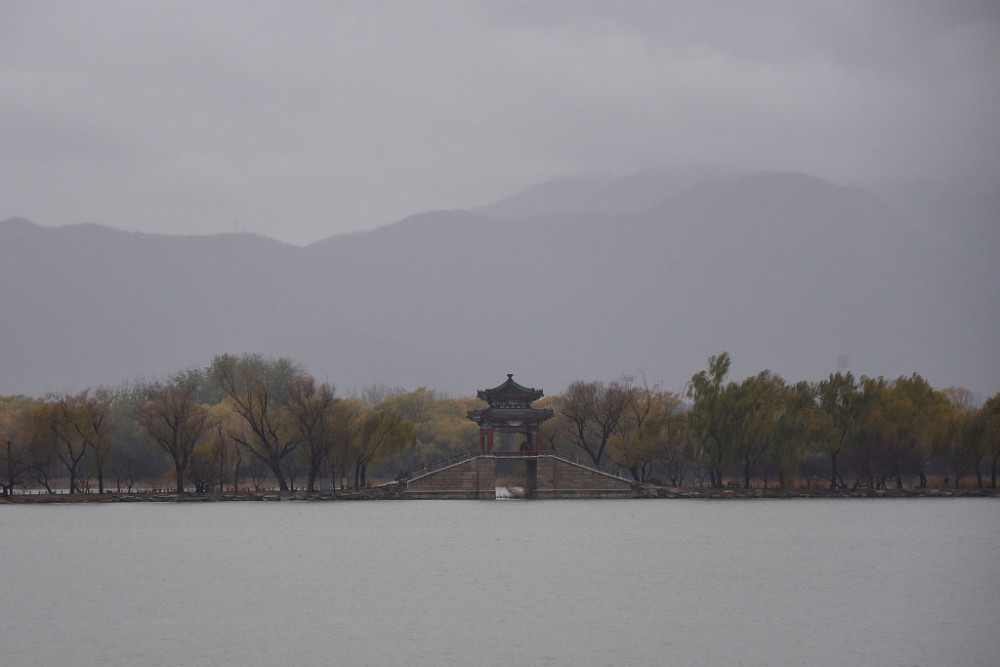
547,476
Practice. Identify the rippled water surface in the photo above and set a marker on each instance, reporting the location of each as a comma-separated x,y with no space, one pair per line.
681,582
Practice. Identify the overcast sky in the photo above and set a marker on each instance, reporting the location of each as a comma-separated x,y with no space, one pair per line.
307,119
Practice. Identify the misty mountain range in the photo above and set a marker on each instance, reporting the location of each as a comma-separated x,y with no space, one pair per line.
577,279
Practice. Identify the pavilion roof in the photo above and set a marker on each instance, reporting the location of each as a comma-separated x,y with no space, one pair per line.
510,391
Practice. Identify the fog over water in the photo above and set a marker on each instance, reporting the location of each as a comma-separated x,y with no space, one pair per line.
860,582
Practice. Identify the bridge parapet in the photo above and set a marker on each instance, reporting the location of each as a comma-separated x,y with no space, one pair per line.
548,476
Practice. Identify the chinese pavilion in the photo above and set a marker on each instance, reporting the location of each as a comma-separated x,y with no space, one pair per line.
509,411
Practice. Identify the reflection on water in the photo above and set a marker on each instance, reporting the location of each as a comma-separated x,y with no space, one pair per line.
462,582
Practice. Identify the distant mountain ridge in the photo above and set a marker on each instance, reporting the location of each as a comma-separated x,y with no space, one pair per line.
598,194
783,270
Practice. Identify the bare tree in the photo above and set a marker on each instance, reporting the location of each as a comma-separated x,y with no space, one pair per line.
592,412
674,449
374,394
312,411
15,452
70,426
258,389
96,410
175,423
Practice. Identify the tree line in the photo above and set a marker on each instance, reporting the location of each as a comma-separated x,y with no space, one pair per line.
250,421
848,432
243,419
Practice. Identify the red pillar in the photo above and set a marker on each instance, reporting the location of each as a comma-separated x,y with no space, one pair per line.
489,442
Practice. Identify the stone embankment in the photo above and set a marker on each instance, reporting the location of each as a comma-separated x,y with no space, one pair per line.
740,493
373,493
395,491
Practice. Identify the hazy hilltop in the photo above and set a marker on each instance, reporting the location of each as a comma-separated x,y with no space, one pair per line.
591,194
582,278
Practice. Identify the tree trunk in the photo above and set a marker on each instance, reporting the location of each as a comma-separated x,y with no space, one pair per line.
278,475
834,472
222,470
180,478
10,472
715,476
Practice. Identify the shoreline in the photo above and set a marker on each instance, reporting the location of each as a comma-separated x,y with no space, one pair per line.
389,493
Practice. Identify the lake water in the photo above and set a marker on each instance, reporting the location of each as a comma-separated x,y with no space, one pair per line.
617,582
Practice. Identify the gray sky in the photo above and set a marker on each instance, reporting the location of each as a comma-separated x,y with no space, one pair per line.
307,119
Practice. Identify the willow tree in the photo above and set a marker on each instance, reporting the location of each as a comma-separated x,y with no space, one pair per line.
379,433
800,426
990,414
900,425
920,420
961,451
710,418
868,457
840,404
755,406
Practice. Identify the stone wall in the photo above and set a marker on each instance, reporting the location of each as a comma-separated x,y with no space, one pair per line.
470,479
560,478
